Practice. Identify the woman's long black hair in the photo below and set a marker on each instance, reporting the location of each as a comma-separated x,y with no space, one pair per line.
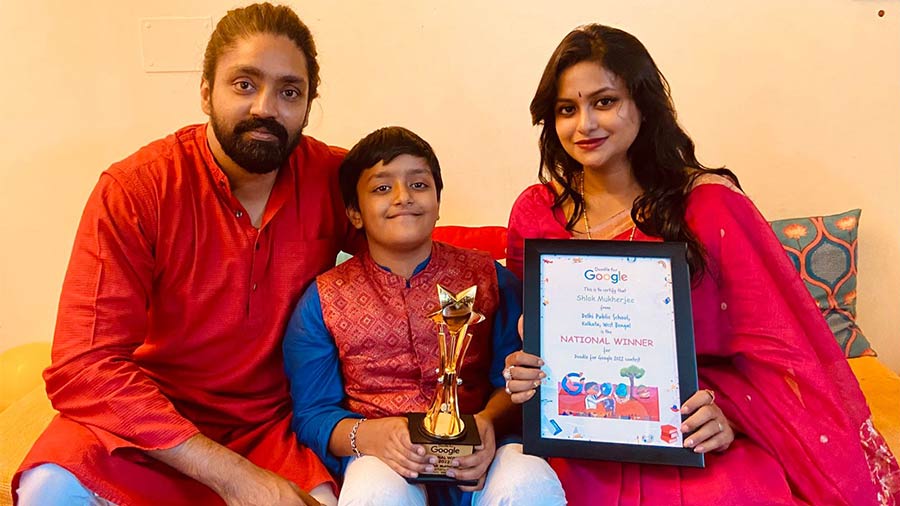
662,155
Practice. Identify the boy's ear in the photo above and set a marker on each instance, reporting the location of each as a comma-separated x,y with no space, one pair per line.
355,217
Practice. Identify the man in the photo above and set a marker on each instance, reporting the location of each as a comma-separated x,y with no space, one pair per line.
167,366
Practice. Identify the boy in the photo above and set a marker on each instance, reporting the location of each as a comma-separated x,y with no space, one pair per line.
360,350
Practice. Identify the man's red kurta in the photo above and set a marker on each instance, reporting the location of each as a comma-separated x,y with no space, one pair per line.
172,314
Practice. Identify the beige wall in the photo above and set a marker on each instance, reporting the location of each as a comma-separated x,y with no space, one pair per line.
799,98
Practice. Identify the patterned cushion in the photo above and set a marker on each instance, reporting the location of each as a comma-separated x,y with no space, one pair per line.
823,250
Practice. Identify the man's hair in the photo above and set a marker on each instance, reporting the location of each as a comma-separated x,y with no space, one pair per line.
383,145
261,18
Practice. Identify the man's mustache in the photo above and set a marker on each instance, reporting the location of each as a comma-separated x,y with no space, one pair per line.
268,124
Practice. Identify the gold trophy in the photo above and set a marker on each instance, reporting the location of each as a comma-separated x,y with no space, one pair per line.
442,431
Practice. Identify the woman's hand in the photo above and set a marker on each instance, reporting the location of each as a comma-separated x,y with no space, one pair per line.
475,466
388,439
523,375
707,429
522,372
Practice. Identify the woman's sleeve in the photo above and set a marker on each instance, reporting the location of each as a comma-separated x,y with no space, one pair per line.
531,217
515,236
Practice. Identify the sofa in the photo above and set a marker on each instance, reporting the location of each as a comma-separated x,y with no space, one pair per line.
25,410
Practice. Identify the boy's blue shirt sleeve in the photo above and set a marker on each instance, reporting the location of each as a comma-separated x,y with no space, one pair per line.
317,388
506,323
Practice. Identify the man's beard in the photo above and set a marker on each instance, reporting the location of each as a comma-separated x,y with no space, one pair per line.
254,155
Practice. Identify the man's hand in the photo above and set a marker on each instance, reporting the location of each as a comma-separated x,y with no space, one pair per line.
475,466
388,439
237,480
260,487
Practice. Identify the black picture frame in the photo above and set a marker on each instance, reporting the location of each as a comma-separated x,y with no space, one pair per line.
536,251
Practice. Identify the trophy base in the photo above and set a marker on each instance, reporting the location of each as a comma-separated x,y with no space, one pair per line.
444,449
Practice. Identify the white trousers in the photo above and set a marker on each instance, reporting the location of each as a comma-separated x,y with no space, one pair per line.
52,485
513,478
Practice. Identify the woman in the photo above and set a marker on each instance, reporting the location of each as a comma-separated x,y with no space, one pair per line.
779,414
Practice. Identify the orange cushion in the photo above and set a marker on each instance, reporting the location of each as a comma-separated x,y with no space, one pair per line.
20,425
20,370
24,408
881,387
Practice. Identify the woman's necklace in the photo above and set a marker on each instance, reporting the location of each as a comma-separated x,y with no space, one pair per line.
587,224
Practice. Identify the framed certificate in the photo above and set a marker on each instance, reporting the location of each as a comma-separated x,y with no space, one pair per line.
612,321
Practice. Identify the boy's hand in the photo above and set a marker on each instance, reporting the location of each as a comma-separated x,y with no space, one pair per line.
475,466
388,439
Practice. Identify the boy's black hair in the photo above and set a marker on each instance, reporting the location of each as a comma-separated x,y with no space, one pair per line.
383,145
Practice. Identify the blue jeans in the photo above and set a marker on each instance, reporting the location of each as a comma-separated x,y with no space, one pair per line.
52,485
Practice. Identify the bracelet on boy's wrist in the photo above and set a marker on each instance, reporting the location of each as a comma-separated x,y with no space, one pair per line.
353,432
